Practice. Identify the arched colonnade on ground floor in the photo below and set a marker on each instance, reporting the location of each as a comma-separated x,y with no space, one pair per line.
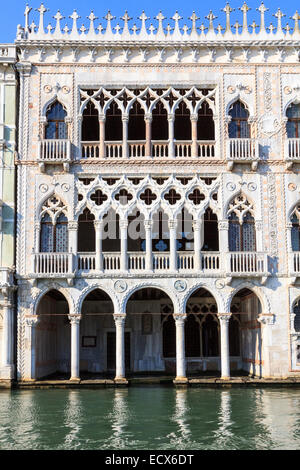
145,330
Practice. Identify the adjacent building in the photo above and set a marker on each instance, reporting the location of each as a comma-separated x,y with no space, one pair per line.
158,198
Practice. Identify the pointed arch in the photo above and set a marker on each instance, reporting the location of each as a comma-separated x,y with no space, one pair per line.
239,126
56,126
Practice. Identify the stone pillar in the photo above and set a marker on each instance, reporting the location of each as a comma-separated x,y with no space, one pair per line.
180,349
102,136
99,254
123,229
224,245
73,243
120,348
171,119
197,224
75,346
37,227
7,366
289,227
148,149
30,347
266,320
125,119
149,259
224,333
194,120
259,235
173,242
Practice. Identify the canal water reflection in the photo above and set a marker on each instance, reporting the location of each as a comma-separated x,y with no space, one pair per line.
150,417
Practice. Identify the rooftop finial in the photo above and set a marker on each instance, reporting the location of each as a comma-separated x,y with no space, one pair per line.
262,9
74,17
245,10
126,18
143,19
26,13
92,18
211,17
58,17
296,18
227,9
193,19
160,30
42,10
279,15
176,18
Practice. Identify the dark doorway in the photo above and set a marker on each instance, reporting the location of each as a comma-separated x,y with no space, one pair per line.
111,351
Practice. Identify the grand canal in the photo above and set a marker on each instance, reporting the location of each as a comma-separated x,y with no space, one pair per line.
150,417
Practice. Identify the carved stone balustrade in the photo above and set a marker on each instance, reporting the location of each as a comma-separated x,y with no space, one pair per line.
54,151
292,152
242,151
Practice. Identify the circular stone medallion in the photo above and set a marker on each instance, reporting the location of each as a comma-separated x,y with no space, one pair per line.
120,286
180,285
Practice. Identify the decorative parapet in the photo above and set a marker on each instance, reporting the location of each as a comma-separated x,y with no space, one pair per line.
161,36
8,54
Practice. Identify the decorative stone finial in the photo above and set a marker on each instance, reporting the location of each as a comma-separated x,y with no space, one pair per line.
42,10
92,18
126,18
296,18
109,18
143,19
211,17
26,13
279,15
193,19
74,17
253,26
245,10
237,26
160,30
227,9
58,17
176,18
262,9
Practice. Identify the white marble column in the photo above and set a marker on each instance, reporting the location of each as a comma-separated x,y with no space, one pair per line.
224,319
223,227
197,224
148,231
123,230
30,347
7,366
171,119
102,136
180,348
173,243
75,345
266,320
125,119
73,243
99,254
120,347
148,121
194,120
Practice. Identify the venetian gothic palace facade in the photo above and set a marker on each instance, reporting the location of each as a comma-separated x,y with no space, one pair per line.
158,198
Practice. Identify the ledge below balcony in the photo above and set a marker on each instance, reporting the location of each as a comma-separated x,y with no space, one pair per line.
53,265
247,264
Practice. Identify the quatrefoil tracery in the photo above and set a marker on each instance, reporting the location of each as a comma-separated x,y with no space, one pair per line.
240,206
54,207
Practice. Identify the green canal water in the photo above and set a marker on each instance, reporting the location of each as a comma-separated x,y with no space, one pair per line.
149,417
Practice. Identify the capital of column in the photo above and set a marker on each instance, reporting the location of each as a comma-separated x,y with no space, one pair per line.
223,225
24,69
123,224
266,318
102,118
73,225
172,224
148,117
125,118
171,117
194,117
32,320
98,224
289,225
148,224
224,317
179,318
197,225
74,318
119,319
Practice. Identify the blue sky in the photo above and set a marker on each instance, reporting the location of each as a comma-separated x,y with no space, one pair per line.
13,13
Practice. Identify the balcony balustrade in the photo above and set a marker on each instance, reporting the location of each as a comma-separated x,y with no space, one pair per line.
242,151
292,151
54,151
137,149
237,263
294,264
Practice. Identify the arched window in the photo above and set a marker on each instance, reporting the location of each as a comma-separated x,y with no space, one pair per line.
293,123
160,232
56,126
205,124
210,336
113,123
90,123
182,123
242,235
239,127
136,123
211,232
295,233
86,232
185,234
160,128
54,236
